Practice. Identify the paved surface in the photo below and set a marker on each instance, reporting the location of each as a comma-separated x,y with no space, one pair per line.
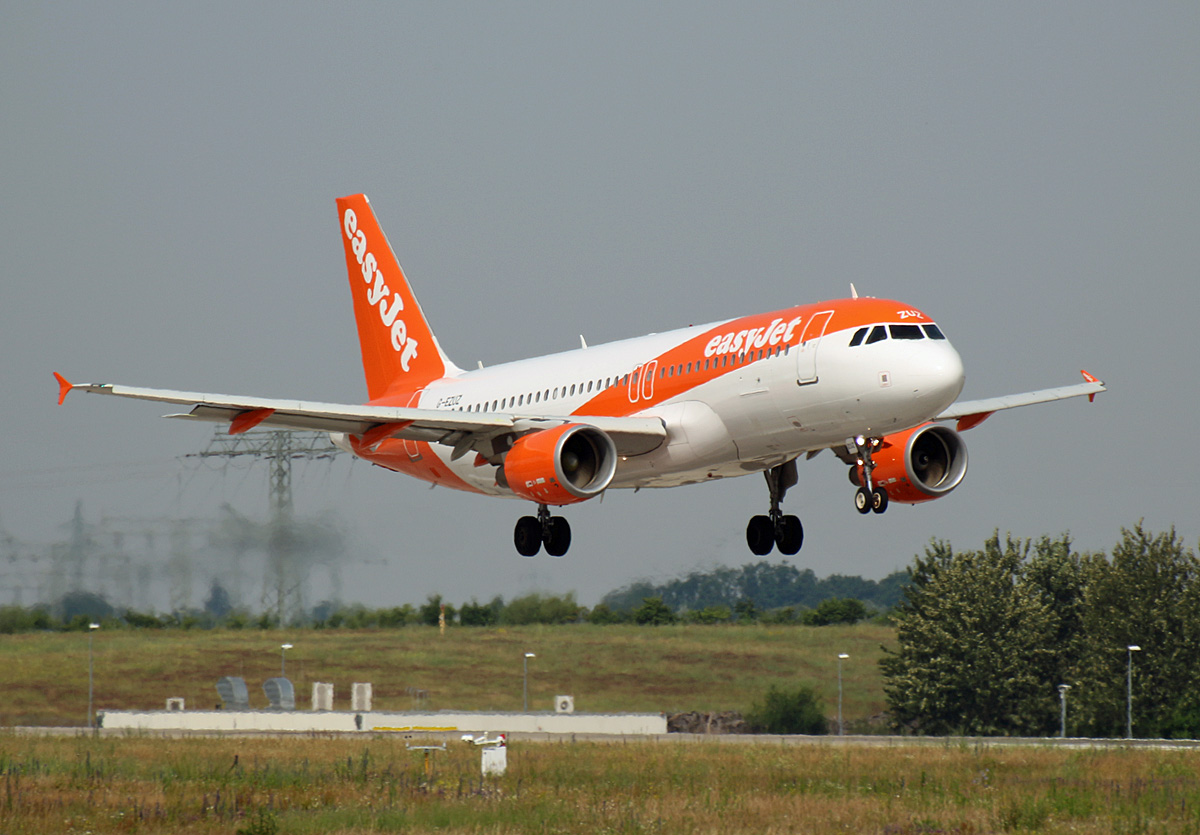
693,739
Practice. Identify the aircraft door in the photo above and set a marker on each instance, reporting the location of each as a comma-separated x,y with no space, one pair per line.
806,351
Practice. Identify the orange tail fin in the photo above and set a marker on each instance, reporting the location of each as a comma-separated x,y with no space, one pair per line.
400,353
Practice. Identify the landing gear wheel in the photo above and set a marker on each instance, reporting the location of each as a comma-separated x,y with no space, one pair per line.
528,536
556,536
862,500
879,500
789,535
760,535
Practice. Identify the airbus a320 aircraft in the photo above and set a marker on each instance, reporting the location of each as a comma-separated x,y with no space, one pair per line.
875,381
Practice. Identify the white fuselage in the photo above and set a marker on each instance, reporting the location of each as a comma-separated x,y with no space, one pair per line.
753,416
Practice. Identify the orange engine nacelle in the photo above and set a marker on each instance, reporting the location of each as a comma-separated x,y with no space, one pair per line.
920,464
560,466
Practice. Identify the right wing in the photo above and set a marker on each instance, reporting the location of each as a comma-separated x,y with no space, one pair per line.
463,431
970,413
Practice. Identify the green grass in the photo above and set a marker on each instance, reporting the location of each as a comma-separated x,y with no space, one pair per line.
606,668
303,785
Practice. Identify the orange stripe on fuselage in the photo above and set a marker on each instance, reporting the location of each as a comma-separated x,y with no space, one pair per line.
724,348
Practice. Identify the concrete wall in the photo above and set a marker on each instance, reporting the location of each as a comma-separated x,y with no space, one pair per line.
345,721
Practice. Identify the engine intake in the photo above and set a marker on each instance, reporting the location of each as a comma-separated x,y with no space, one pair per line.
563,465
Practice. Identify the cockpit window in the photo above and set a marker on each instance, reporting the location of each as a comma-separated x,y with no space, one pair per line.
906,332
878,334
933,332
858,337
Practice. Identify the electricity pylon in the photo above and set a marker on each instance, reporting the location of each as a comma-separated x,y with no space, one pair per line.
286,571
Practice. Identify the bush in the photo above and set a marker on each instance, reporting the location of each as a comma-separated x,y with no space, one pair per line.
788,712
603,615
835,610
653,612
710,615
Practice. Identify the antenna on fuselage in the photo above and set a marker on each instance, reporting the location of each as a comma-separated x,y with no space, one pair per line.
853,292
582,342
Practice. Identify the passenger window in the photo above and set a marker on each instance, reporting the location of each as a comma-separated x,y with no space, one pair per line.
906,332
934,332
857,339
878,334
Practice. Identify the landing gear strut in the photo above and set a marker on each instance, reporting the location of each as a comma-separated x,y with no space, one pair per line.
775,529
868,497
532,533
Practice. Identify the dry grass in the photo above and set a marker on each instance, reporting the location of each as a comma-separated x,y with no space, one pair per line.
139,784
610,668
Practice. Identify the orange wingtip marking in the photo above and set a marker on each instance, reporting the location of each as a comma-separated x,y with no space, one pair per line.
64,386
971,421
245,421
1091,379
377,433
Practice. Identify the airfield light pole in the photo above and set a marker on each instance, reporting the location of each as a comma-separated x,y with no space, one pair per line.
1130,650
92,627
283,648
841,657
525,689
1062,695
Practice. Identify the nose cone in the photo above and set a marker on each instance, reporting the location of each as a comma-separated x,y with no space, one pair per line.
945,376
941,377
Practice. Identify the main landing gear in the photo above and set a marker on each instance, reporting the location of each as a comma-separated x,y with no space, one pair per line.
868,497
775,529
533,532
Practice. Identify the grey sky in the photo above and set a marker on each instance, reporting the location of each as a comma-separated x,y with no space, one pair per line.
1027,173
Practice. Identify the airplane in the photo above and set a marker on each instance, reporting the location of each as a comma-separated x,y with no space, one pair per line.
873,380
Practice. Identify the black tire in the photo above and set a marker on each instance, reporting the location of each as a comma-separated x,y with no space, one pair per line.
862,500
760,535
528,536
789,536
557,538
879,500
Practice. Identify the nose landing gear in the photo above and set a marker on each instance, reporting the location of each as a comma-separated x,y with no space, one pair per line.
532,533
776,529
868,497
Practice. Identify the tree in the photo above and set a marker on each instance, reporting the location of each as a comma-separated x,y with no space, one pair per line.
976,645
218,604
788,712
481,614
835,610
744,611
538,608
602,615
1146,594
653,612
431,611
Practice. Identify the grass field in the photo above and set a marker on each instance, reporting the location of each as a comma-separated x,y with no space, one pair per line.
106,785
43,676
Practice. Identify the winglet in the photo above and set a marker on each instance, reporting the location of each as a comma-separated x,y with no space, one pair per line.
64,386
1090,379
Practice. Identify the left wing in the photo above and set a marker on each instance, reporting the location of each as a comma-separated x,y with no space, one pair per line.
463,431
970,413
